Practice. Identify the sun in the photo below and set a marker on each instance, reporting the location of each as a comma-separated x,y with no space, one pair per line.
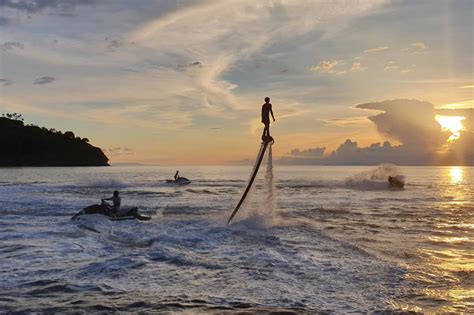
451,123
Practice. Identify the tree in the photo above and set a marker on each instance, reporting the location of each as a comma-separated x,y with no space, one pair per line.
13,116
69,134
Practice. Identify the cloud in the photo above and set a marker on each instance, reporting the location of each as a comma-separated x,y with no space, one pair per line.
410,122
376,49
358,120
5,82
235,36
337,67
357,67
349,153
32,6
325,66
114,43
393,66
4,21
190,65
11,45
316,152
467,87
119,151
44,80
468,113
416,47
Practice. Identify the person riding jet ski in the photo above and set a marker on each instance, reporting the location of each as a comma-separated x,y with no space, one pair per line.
116,201
114,211
395,182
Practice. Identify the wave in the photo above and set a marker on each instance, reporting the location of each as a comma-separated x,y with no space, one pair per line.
185,209
201,191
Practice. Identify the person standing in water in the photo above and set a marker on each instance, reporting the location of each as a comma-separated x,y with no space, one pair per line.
266,111
176,176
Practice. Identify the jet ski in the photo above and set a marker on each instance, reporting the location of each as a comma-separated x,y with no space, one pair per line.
395,182
179,181
124,213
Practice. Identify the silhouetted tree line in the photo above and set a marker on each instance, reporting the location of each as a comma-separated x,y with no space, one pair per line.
31,145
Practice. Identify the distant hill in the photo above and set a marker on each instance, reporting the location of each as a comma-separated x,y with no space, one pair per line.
29,145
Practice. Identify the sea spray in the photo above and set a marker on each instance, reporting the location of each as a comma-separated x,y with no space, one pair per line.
257,209
268,201
375,179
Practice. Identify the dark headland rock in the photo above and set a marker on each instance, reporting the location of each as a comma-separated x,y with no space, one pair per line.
29,145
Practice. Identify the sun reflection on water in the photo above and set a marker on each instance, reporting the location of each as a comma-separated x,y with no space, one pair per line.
457,174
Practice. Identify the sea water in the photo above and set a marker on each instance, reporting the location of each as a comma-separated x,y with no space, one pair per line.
313,238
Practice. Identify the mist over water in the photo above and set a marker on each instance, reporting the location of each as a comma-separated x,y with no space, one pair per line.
308,239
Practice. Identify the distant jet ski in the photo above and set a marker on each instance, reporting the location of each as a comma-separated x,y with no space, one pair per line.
395,182
179,181
124,213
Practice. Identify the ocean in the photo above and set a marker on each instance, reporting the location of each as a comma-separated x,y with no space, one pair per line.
308,239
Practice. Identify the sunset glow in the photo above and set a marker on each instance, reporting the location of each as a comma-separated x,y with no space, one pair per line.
456,174
164,84
453,124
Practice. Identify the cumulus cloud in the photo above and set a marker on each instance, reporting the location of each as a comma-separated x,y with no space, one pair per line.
44,80
349,153
32,6
376,49
316,152
7,46
408,121
5,82
411,122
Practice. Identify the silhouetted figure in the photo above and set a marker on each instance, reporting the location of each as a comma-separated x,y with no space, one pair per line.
266,111
395,182
176,176
116,201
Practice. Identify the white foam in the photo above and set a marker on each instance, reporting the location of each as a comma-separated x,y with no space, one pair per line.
374,179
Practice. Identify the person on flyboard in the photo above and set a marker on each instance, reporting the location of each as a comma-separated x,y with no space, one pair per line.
266,111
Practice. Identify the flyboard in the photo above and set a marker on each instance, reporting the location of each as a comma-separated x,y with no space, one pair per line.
266,140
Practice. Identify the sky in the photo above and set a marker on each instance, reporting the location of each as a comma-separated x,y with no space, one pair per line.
182,82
